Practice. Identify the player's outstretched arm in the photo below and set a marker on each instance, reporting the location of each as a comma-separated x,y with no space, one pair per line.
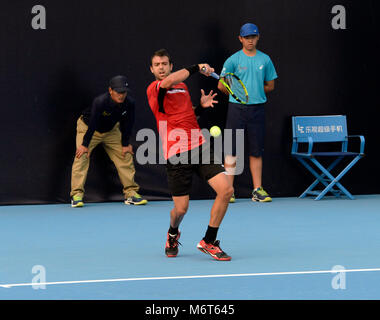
181,75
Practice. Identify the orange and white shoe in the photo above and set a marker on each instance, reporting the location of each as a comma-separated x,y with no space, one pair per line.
214,250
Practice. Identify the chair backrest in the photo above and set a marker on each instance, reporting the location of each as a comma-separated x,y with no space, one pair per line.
320,128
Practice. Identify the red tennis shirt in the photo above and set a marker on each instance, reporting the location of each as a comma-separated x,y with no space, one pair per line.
178,126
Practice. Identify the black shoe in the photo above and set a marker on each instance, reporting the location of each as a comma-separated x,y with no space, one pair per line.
171,246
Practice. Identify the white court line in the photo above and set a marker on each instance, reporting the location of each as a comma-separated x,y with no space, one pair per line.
188,277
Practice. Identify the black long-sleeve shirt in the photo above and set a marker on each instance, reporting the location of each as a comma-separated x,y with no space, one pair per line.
105,113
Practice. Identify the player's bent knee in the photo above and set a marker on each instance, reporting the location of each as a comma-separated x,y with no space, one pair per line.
180,211
226,192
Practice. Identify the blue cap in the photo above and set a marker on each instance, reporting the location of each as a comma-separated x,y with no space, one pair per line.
249,29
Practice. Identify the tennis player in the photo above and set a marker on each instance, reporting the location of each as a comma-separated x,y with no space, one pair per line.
109,122
171,104
257,72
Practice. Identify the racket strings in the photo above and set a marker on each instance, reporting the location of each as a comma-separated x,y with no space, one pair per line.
236,87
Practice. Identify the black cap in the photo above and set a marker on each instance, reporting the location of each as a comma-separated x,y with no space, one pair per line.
119,84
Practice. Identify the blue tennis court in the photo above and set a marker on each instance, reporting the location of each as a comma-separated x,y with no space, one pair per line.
286,249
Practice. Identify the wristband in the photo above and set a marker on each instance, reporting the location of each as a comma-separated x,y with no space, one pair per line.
193,69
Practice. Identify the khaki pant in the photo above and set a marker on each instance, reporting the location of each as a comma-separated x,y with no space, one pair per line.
111,142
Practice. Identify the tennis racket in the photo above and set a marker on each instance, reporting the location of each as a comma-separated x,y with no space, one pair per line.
234,86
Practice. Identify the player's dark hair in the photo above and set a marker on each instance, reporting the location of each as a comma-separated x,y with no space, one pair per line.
160,53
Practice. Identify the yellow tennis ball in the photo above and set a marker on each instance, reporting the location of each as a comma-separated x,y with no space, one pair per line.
215,131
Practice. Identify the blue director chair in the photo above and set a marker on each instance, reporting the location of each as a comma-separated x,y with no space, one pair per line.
312,130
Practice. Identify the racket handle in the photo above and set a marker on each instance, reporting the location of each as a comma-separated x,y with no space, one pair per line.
214,75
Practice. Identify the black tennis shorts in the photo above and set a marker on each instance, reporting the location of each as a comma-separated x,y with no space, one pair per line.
180,175
251,118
